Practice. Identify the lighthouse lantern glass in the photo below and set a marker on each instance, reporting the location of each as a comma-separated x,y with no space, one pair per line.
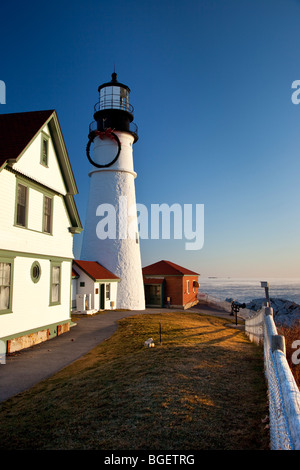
114,97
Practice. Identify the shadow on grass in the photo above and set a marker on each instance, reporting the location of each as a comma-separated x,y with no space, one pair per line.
194,392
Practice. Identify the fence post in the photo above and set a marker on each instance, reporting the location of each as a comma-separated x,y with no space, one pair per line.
269,311
278,343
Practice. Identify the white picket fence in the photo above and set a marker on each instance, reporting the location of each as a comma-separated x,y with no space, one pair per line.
284,395
283,392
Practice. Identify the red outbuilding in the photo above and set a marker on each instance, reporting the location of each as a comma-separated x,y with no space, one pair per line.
167,284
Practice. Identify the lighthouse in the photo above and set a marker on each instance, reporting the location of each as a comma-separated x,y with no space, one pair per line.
111,228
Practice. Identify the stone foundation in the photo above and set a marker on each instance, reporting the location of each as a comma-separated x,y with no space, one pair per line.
22,342
26,341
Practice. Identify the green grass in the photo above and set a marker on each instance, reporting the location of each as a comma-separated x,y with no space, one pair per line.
202,388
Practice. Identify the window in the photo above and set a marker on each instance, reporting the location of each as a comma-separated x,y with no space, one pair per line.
187,287
107,292
44,151
123,99
47,222
55,284
21,205
35,272
5,286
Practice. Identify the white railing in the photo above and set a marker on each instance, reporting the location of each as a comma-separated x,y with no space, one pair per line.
284,395
222,304
214,302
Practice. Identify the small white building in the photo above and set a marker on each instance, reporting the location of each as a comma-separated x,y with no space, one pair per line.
94,288
38,218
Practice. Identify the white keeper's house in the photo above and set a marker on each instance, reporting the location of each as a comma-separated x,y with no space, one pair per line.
38,219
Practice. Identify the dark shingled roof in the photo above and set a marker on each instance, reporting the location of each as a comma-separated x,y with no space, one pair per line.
17,130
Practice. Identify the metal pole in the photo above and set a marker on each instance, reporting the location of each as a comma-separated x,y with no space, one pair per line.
159,332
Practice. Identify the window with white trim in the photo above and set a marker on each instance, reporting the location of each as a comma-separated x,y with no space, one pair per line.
22,196
5,286
47,222
107,291
55,286
44,150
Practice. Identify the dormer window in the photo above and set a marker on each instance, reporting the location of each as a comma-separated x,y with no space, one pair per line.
45,150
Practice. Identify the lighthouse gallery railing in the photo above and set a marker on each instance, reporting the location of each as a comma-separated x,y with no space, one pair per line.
132,127
111,101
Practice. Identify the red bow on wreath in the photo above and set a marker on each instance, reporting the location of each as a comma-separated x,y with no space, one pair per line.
106,133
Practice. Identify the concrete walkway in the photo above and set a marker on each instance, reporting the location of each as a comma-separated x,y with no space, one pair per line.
26,368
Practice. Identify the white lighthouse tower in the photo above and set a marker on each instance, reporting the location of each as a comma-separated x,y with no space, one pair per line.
111,229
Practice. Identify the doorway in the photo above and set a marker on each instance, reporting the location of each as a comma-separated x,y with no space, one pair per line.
153,295
102,297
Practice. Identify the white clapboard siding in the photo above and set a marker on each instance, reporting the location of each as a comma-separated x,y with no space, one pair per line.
29,164
113,296
7,202
31,239
35,200
31,301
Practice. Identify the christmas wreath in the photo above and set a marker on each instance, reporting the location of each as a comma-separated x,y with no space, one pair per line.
108,133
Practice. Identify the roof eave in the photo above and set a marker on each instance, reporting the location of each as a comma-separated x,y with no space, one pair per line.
61,151
76,226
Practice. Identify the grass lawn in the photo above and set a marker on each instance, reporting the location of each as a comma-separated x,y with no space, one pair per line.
202,388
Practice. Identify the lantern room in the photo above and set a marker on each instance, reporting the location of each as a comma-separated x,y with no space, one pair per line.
113,110
114,95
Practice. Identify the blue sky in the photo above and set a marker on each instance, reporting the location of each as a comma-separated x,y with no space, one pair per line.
211,87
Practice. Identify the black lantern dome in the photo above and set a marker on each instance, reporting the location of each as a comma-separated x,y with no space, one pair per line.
113,110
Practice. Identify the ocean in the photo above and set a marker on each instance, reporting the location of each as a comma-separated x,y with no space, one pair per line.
245,290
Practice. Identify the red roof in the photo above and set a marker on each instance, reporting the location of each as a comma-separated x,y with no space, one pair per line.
17,130
74,273
167,268
95,270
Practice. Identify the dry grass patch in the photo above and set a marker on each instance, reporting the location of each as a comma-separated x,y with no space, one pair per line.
202,388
